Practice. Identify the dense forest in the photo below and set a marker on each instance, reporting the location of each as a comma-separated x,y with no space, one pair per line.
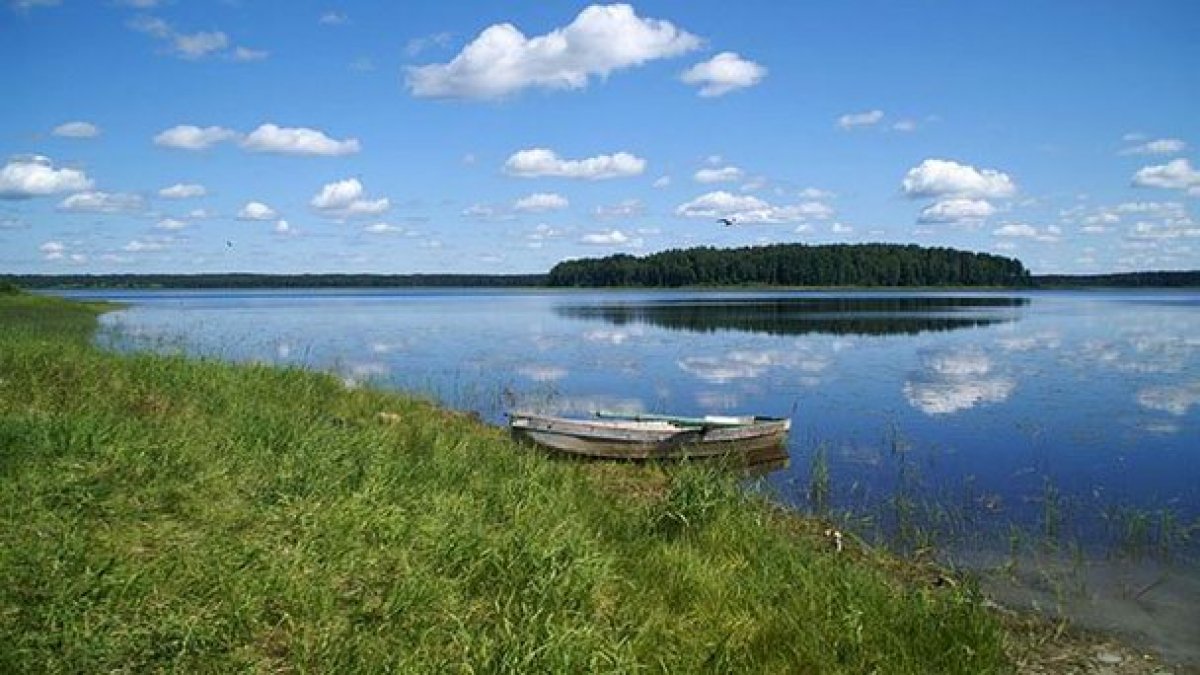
797,265
237,280
1125,280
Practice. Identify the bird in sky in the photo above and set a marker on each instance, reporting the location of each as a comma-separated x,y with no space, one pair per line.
728,222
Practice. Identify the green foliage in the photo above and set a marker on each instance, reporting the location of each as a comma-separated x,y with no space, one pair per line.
9,288
796,265
165,513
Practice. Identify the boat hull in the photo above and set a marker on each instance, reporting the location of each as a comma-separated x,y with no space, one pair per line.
652,440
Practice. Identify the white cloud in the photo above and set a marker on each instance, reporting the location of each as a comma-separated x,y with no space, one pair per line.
297,141
1170,228
283,227
102,202
944,178
183,191
141,245
171,224
725,174
1015,230
1176,174
35,176
1162,146
750,209
346,198
192,46
502,61
77,130
257,211
724,73
200,44
383,228
245,54
905,126
486,212
191,137
333,19
535,162
627,208
53,250
957,210
661,182
540,202
815,193
610,238
864,119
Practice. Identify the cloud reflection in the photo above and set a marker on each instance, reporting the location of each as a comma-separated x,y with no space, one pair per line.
953,381
1173,399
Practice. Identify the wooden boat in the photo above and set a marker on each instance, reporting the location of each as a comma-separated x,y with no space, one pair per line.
616,436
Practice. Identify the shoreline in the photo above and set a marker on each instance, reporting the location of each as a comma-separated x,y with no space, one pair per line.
650,488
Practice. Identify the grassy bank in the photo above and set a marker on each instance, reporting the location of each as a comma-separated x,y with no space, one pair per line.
169,513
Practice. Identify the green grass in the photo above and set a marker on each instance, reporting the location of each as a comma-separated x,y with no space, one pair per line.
167,513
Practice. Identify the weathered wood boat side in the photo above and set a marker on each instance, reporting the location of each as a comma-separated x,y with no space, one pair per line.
651,437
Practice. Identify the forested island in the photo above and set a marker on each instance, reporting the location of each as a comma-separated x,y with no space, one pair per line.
872,265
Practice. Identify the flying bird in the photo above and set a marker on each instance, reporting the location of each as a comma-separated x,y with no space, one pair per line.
228,243
728,222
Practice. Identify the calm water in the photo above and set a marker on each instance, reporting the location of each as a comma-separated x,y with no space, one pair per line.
1050,440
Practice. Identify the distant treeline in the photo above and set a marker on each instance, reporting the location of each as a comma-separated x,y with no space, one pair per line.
236,280
1126,280
797,265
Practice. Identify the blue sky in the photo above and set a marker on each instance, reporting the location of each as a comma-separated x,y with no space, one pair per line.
204,136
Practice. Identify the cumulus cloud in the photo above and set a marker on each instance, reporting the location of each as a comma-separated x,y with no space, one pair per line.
183,191
537,162
723,73
946,178
863,119
171,224
346,198
1176,174
297,141
35,176
540,202
191,137
725,174
1161,146
750,209
77,130
958,210
257,211
1050,234
502,60
102,202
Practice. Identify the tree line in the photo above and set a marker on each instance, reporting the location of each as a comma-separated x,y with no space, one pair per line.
796,265
240,280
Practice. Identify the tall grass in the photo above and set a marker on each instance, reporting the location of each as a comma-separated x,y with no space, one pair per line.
160,512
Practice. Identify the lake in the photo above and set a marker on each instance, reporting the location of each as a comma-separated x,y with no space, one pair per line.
1048,440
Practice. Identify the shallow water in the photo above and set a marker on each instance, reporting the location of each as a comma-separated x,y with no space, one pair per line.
1049,440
